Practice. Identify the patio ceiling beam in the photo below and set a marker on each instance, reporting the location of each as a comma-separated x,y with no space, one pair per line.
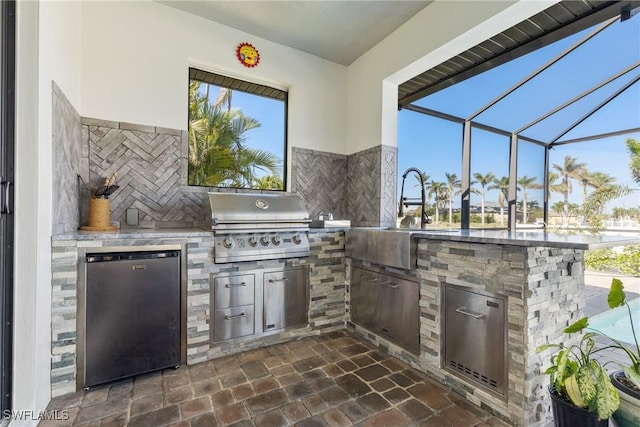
594,110
579,97
460,120
545,66
434,113
595,137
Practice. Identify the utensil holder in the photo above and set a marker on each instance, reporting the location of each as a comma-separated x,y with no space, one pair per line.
99,213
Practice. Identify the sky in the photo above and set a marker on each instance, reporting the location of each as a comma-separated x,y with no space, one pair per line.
439,142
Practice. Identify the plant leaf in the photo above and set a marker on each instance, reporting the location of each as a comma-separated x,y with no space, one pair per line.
616,294
607,399
632,375
577,326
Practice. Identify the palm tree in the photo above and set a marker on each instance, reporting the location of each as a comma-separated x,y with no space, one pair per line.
217,152
436,189
483,180
268,182
633,148
558,207
584,176
554,185
452,183
601,179
568,171
526,182
501,184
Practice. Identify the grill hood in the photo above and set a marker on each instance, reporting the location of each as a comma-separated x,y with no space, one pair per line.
245,211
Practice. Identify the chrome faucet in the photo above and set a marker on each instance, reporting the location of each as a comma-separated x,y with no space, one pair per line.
424,218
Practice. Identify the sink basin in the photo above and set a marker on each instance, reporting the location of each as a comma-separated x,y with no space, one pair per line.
392,247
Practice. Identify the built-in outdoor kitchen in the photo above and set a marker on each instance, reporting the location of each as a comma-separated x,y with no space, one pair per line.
466,307
240,270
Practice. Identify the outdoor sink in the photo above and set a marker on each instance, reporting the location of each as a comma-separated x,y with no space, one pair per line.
392,247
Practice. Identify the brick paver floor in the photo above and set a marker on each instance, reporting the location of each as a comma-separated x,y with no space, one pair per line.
336,379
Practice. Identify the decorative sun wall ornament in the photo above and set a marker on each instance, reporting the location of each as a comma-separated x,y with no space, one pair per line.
248,55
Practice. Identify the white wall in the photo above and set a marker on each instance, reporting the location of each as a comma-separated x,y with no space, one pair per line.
440,31
48,49
136,56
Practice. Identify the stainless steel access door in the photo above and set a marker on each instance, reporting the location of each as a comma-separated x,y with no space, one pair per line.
364,294
286,298
399,311
475,337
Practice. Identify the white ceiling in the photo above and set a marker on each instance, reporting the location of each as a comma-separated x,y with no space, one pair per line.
339,31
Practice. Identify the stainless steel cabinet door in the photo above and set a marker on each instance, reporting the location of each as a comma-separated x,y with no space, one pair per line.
475,334
399,316
286,298
364,295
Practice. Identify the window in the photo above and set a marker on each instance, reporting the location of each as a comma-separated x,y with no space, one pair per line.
237,133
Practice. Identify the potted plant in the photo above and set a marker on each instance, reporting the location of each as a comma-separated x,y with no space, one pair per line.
627,381
581,392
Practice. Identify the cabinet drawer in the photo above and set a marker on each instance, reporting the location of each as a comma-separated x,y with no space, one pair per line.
233,291
233,322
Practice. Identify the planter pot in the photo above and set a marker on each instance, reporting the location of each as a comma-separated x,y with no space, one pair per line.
566,414
628,414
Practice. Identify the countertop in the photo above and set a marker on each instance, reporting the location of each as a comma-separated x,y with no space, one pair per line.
518,238
153,233
527,238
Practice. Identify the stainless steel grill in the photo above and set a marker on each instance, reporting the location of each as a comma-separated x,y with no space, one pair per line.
249,227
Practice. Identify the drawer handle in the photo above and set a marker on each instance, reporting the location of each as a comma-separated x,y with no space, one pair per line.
463,310
390,285
284,279
237,316
235,285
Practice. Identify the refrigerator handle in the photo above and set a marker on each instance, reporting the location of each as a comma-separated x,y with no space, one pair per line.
6,199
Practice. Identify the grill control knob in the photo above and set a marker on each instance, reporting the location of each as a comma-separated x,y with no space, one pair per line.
265,240
297,239
227,242
276,240
253,241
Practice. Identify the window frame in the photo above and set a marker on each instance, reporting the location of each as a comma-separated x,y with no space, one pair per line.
248,86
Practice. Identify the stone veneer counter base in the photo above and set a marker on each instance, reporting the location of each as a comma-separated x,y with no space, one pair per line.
326,291
541,275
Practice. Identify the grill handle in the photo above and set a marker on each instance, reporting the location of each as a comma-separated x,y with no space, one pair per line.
463,310
254,221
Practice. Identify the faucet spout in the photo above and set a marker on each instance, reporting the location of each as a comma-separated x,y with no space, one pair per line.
424,218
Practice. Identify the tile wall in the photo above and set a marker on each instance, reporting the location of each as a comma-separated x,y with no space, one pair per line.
151,163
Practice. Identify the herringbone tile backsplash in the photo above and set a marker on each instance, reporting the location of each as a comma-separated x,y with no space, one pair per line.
147,160
371,186
151,166
319,179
